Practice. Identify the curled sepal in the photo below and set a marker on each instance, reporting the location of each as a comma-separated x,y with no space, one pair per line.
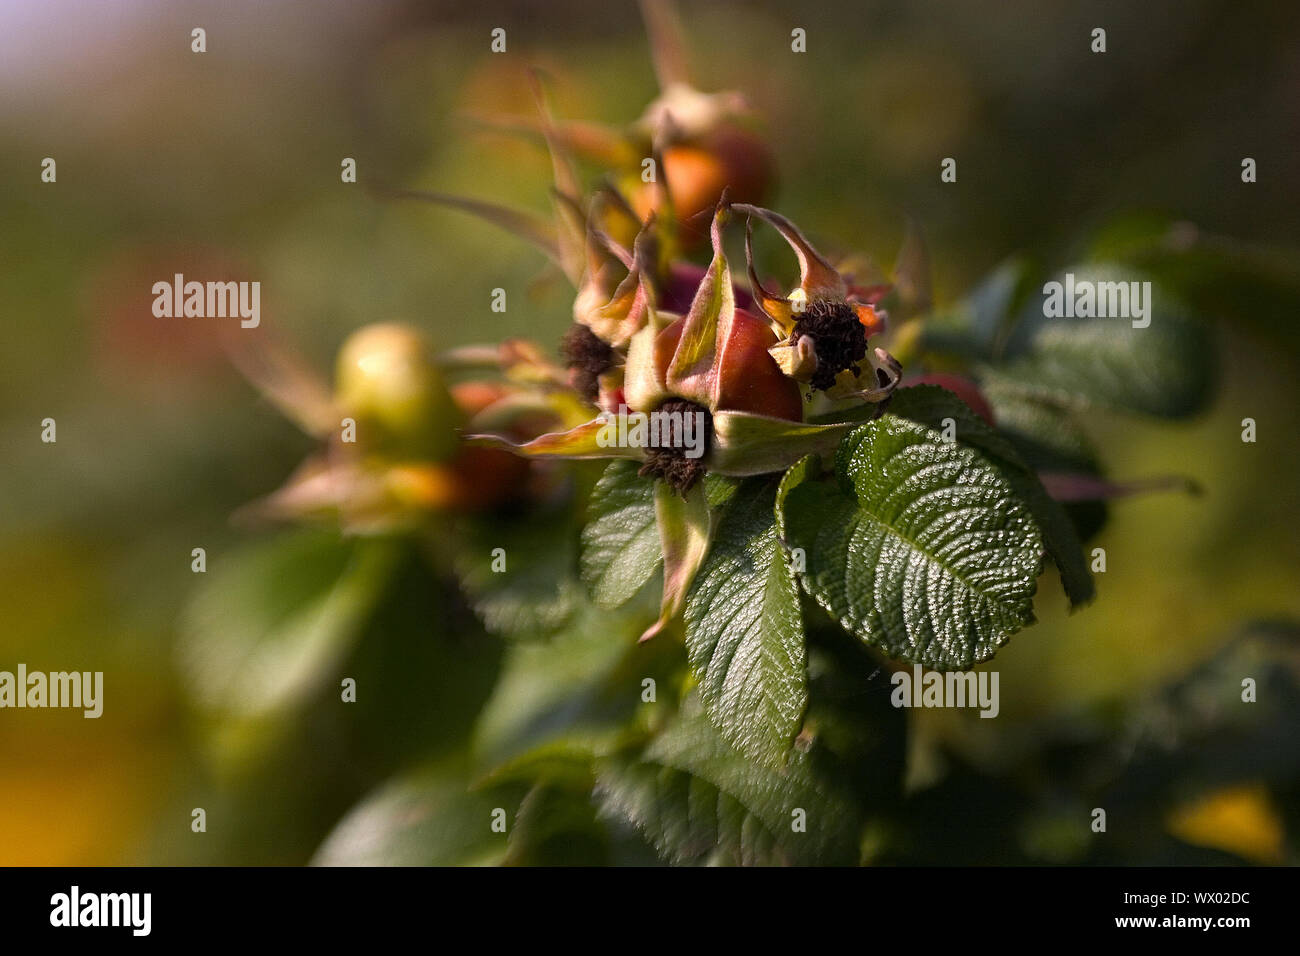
776,307
610,213
643,386
818,279
616,318
693,371
745,444
684,535
570,219
594,439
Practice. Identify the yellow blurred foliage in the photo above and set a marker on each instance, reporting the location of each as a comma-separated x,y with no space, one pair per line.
1239,819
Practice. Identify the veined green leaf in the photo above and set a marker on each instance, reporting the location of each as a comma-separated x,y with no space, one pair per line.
697,800
744,632
931,405
919,546
620,544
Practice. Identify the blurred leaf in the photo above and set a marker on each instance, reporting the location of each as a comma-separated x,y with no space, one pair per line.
427,817
1251,284
558,826
620,544
1045,435
744,632
1166,369
423,670
977,326
564,760
917,545
1195,741
271,622
930,405
852,732
582,688
1200,728
1050,438
539,589
699,801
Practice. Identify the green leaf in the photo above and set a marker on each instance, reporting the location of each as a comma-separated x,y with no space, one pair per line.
697,800
1166,369
426,817
620,544
422,681
720,490
853,733
744,632
270,622
919,546
930,405
1199,729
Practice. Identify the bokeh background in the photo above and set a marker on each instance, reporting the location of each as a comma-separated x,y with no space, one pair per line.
170,161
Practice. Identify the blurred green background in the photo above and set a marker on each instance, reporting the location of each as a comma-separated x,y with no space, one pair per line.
170,161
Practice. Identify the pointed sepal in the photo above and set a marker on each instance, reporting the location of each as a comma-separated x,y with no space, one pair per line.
693,371
745,444
684,535
597,438
817,277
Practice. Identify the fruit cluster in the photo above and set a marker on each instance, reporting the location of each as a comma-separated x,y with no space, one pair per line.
773,376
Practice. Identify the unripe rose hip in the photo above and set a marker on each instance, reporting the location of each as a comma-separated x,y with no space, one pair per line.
749,378
386,379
